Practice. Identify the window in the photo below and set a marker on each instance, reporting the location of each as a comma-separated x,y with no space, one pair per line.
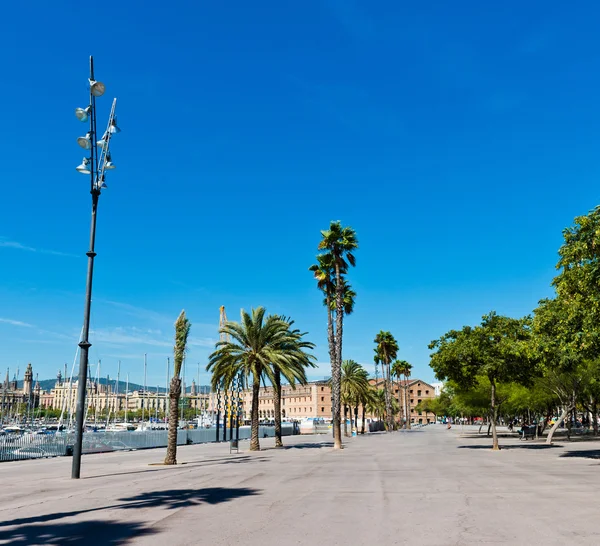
420,421
412,401
322,399
322,389
419,392
322,410
411,391
420,413
419,401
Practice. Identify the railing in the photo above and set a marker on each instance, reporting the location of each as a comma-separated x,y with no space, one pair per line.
14,447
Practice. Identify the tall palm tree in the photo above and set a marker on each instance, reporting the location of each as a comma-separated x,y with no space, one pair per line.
182,330
295,371
387,350
338,244
402,368
256,345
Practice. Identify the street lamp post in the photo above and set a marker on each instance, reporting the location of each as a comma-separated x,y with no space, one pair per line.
95,165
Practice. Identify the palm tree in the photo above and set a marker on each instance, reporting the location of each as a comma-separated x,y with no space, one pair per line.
292,373
387,350
339,244
182,330
355,382
256,345
399,368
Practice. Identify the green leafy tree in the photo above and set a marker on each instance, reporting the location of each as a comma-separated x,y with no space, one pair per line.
386,350
256,346
497,349
338,245
182,330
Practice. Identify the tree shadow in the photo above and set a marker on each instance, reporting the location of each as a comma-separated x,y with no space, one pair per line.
166,468
584,454
310,446
169,499
90,533
513,446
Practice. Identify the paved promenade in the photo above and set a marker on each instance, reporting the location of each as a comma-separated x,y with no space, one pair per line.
426,487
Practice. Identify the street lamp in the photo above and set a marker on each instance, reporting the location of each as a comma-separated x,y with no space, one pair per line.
95,165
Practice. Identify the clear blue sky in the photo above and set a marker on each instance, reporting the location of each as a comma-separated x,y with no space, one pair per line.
458,139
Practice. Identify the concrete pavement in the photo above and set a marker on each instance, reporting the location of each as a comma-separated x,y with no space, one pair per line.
425,487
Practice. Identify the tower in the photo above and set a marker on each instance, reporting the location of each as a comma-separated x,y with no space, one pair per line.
28,380
58,379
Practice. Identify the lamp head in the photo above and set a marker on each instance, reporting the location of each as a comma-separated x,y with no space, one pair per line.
97,88
84,168
113,127
82,114
85,142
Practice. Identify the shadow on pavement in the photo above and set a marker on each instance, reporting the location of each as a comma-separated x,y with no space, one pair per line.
584,454
310,446
169,499
162,468
91,533
512,446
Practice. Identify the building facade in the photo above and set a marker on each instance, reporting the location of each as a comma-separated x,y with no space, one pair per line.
409,393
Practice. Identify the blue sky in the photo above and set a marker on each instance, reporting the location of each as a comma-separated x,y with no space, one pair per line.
458,139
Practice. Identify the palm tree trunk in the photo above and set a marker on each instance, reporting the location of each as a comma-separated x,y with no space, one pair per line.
174,394
356,417
399,400
364,412
388,400
406,400
336,372
254,443
277,404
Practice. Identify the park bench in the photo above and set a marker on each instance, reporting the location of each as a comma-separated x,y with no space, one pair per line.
528,432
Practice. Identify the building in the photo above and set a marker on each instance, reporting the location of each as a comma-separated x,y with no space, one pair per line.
103,398
15,402
312,400
412,391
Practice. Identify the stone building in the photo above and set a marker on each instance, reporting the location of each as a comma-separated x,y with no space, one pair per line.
312,400
14,401
413,391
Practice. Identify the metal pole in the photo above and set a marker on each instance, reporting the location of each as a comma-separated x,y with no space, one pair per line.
218,409
144,395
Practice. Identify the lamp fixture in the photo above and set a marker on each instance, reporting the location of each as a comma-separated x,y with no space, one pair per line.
83,113
86,141
109,164
84,168
113,127
97,88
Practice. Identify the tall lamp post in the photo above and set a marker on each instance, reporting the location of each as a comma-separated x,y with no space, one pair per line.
96,165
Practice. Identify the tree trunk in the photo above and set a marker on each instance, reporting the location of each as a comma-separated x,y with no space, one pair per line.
335,379
339,330
566,410
364,416
174,394
254,442
356,418
277,404
345,420
407,402
399,401
494,416
595,416
388,401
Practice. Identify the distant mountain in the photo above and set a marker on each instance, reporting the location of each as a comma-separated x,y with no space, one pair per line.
48,384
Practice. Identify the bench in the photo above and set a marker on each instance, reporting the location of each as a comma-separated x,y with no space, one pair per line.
528,432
